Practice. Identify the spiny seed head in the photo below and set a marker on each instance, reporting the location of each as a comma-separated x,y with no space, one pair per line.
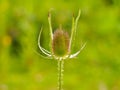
60,43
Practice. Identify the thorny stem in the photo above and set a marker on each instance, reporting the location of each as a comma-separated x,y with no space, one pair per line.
60,74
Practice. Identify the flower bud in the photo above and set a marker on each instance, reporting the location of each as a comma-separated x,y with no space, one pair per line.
60,43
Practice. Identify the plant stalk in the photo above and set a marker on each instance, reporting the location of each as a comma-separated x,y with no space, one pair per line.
60,74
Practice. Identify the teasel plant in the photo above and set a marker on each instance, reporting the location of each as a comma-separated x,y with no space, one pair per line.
60,46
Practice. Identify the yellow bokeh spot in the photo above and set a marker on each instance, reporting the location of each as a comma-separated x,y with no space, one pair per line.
7,40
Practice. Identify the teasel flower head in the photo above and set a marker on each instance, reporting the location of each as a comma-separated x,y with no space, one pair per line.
61,46
60,42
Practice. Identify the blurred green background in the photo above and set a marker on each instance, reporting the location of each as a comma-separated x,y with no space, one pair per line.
96,68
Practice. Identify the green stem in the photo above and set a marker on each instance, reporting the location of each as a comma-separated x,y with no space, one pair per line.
60,74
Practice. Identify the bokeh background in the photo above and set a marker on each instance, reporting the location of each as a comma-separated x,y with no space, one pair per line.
96,68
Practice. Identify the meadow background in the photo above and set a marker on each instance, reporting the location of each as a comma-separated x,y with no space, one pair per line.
96,68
